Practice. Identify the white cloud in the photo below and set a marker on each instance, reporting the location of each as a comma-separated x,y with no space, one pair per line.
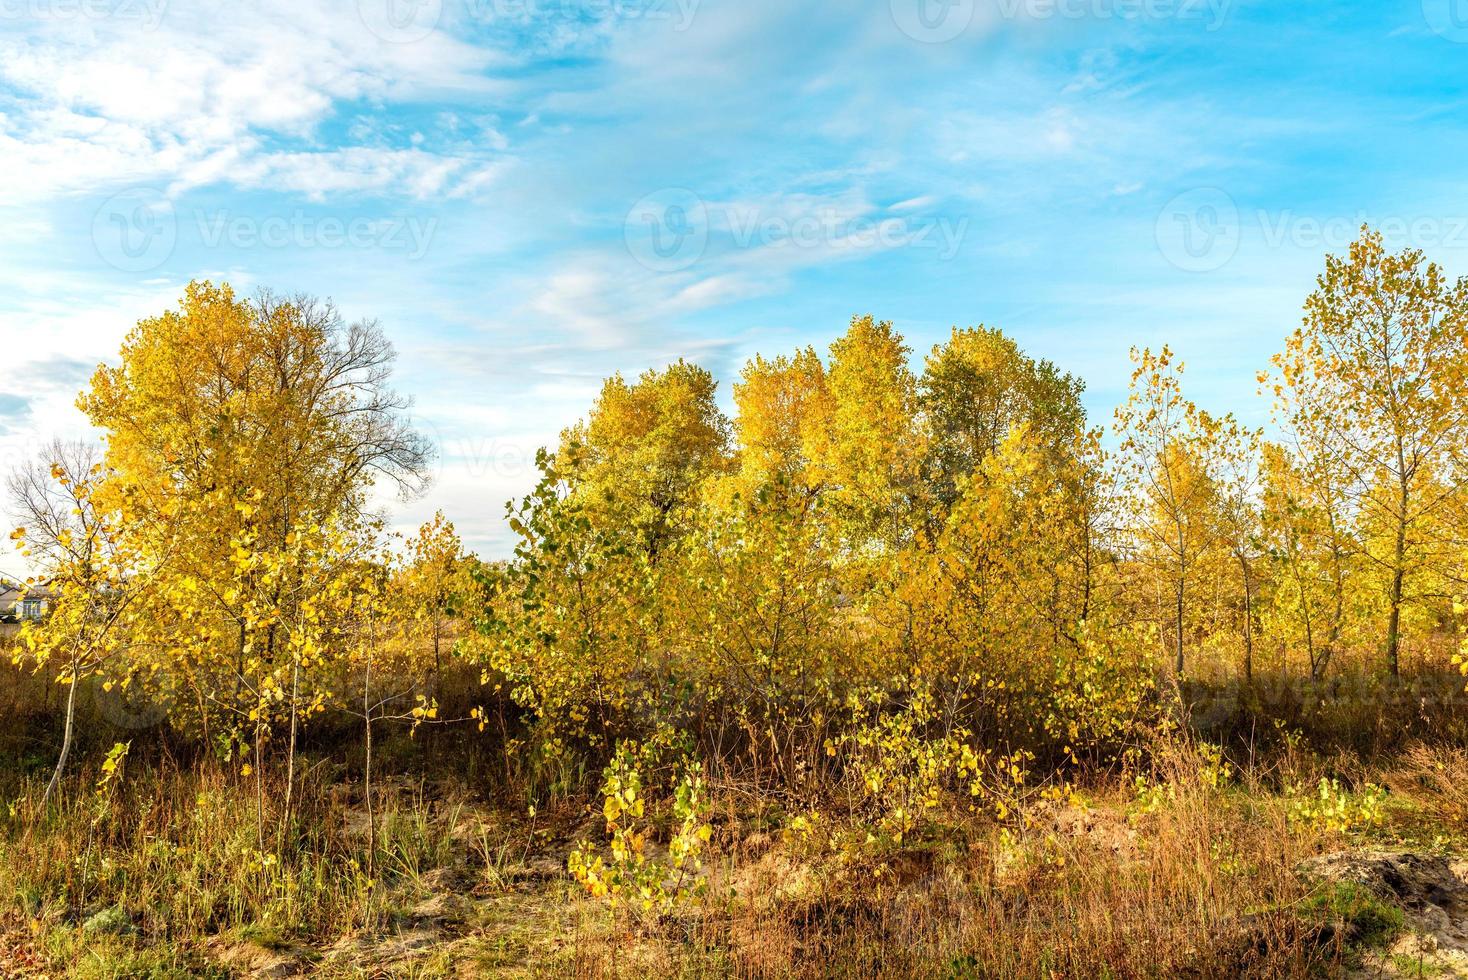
202,97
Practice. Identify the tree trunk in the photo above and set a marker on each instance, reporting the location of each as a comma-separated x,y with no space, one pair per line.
260,781
1394,624
290,759
1248,620
66,736
367,767
1180,630
437,658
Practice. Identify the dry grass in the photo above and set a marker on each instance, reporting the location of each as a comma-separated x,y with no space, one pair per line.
1202,883
1196,875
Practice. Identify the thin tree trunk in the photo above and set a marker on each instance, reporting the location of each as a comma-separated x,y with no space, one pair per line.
290,762
66,736
1180,630
1316,662
1394,624
1399,566
367,767
260,779
1248,619
437,658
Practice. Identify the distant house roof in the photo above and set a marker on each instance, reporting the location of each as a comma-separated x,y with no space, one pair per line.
11,593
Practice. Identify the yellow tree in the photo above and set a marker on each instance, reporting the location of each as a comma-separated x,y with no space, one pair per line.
94,578
872,455
645,448
996,555
568,628
236,431
783,420
1235,449
758,630
978,387
431,587
1168,461
1310,545
304,602
977,391
1375,379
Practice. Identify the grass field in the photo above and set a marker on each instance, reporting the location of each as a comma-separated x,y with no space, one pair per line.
1194,863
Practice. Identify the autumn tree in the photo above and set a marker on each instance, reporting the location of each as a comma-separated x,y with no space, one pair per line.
93,579
782,422
1011,467
758,629
1235,450
976,389
240,432
1168,460
872,454
1375,380
567,629
1304,528
645,448
433,586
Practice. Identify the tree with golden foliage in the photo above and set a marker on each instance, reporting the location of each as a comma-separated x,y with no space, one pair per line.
242,440
1375,384
1168,460
85,562
645,448
978,388
433,587
783,421
871,457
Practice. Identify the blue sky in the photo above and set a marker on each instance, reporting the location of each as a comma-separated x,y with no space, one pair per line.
533,194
